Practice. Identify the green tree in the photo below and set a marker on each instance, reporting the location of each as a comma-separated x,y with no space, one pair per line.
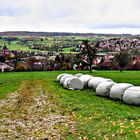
89,50
123,58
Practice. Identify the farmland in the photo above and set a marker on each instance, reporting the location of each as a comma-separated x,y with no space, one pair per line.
45,43
94,117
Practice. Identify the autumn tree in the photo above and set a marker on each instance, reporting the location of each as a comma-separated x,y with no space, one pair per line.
123,58
88,50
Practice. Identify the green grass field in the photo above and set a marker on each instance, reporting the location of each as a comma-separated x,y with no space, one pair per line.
49,41
15,46
96,117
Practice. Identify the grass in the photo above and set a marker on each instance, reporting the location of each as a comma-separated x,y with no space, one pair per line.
68,50
96,117
14,46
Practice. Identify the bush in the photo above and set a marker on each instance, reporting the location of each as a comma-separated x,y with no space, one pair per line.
21,67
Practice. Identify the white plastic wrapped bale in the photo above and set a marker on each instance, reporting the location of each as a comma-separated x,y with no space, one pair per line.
85,79
117,90
92,81
59,76
73,83
99,81
78,75
62,79
66,80
132,95
103,89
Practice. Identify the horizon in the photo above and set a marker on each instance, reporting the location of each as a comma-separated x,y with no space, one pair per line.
69,32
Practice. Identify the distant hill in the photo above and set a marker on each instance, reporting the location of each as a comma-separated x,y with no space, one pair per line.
27,33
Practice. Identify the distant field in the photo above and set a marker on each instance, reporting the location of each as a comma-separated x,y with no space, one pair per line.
49,42
14,46
96,117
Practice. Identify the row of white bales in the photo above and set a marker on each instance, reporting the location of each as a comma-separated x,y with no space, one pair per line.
105,87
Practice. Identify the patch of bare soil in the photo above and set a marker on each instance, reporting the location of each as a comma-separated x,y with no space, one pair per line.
31,114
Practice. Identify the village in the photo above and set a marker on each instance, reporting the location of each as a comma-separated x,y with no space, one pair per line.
37,56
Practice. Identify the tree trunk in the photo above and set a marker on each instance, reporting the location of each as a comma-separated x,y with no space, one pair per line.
90,68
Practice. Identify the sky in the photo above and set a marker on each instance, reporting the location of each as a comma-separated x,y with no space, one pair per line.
77,16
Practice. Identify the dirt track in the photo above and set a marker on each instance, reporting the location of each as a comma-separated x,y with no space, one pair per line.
30,113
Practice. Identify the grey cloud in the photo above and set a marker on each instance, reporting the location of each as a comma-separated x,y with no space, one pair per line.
10,11
110,26
12,8
71,15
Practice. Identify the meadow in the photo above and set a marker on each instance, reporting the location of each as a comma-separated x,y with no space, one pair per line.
50,41
95,117
14,46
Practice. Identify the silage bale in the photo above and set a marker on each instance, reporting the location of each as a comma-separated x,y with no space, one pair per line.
85,79
73,83
64,77
92,81
78,75
103,89
132,95
99,81
59,76
65,82
117,90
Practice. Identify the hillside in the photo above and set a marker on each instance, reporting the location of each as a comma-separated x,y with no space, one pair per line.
27,33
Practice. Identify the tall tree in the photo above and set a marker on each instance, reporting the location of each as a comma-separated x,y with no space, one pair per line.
89,51
123,58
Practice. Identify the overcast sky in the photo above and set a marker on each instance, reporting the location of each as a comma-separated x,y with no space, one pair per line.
96,16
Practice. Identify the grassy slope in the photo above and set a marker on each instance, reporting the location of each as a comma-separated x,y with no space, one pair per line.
95,116
14,46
